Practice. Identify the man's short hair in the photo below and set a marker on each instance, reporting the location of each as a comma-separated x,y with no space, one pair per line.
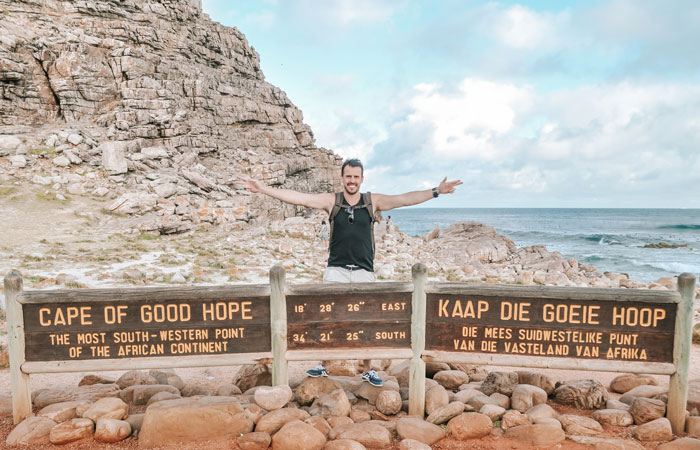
353,162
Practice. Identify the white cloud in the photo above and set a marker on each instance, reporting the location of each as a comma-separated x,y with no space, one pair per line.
529,179
330,14
608,121
465,123
594,145
522,28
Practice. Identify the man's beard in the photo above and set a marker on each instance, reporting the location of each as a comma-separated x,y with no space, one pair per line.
355,187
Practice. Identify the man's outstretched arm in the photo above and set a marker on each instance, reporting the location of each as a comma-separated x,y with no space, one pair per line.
386,202
316,201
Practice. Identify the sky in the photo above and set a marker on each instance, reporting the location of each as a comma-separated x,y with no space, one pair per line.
582,104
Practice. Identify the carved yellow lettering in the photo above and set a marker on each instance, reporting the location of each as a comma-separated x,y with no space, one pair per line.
442,309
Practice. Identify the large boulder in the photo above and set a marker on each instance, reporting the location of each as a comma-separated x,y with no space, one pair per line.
583,394
628,381
514,418
271,398
106,408
135,378
112,430
494,412
525,396
388,402
274,420
656,430
536,379
469,426
32,430
580,425
71,431
114,157
369,434
253,375
370,393
435,399
692,426
334,404
320,424
297,435
543,411
447,412
312,388
451,379
92,393
254,441
643,391
60,412
645,410
541,435
614,417
419,430
193,419
501,382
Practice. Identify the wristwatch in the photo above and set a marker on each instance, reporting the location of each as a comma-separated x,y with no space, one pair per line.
435,192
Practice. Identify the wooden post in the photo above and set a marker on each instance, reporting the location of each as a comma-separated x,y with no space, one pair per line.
19,381
278,324
678,385
416,383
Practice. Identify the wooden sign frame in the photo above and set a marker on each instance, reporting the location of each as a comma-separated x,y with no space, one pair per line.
63,310
393,297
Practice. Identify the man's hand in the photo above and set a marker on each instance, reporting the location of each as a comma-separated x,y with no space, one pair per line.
252,185
448,187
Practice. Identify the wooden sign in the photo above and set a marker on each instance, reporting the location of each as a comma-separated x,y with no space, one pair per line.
349,321
550,327
147,328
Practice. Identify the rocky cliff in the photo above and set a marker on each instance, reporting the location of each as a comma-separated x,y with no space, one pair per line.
151,104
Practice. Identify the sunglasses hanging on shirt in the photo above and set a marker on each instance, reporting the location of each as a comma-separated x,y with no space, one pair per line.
351,217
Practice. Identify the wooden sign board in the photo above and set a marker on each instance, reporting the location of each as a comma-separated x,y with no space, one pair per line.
537,327
349,321
140,329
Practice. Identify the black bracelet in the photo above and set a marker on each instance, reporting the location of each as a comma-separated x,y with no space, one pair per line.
435,193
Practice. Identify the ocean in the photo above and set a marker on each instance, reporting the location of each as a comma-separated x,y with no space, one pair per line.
610,239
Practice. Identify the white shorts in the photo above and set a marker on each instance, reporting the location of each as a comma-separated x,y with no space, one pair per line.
343,275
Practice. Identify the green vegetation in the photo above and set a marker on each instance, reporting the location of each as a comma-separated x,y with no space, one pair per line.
148,236
453,276
7,190
696,334
109,212
35,279
32,258
42,151
49,196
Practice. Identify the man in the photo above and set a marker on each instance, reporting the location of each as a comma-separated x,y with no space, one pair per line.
351,252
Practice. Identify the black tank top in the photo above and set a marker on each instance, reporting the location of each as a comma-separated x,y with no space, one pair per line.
351,243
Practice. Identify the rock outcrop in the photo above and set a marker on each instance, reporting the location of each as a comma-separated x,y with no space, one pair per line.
149,99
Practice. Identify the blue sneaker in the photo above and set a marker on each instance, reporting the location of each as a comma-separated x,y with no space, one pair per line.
372,378
318,371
